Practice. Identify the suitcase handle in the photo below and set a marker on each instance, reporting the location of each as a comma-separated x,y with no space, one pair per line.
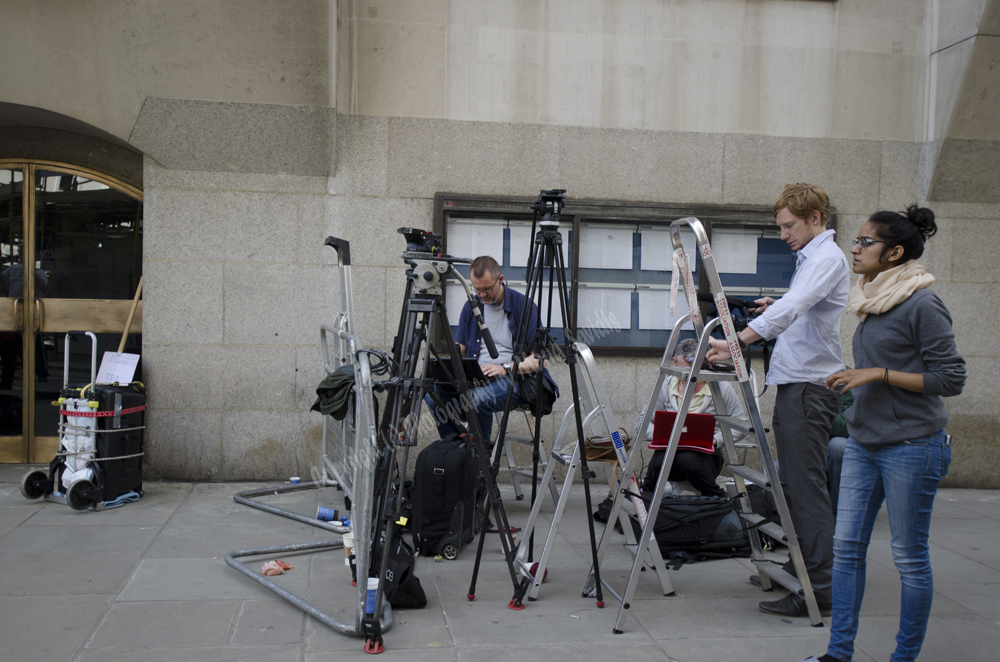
93,359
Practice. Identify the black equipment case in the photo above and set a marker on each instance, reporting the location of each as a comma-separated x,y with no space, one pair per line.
446,497
100,443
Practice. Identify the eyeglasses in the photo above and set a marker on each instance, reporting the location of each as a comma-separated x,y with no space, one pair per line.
487,290
865,242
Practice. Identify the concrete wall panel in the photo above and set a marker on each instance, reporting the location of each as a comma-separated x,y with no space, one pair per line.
757,169
185,376
183,443
262,445
237,137
974,261
428,156
182,302
640,165
362,156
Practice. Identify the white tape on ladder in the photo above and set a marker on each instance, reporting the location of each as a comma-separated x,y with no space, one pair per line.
726,319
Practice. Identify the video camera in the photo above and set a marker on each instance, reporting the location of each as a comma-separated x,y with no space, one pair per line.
422,241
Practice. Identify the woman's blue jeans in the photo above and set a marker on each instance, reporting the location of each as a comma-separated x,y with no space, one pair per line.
906,477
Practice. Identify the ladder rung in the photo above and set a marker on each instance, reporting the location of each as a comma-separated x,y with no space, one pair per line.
745,444
518,439
754,476
772,529
735,423
776,573
703,376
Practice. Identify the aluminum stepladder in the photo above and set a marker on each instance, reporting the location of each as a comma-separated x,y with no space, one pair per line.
767,478
518,472
598,418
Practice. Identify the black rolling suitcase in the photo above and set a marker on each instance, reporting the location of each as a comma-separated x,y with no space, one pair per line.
100,444
446,497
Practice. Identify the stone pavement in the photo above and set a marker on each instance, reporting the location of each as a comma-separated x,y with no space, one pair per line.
148,582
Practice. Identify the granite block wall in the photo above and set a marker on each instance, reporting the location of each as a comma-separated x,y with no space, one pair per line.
239,282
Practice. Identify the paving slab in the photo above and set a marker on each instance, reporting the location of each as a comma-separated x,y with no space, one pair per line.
190,653
48,627
204,579
949,637
159,502
185,623
267,622
72,560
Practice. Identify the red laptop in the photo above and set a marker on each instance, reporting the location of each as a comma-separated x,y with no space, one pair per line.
698,433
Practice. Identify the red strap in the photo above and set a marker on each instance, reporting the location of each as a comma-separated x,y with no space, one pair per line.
101,414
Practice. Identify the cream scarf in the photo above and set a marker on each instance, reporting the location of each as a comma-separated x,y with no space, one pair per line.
888,289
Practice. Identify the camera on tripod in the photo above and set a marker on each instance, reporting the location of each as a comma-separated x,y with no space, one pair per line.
549,204
422,241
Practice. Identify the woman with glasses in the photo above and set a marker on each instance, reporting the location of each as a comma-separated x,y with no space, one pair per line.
897,452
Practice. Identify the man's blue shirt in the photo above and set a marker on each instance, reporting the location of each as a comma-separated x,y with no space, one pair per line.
468,333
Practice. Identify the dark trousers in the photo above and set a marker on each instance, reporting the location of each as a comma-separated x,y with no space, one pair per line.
699,469
803,414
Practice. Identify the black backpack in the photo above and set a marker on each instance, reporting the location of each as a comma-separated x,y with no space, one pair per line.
401,587
447,496
698,528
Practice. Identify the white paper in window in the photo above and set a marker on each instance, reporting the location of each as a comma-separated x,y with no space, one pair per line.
654,311
455,299
474,238
606,247
656,251
604,308
735,251
520,244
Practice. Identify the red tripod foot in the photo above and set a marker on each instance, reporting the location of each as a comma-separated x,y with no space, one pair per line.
515,605
471,596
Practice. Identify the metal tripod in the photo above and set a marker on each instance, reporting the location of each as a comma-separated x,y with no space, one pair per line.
423,312
767,478
546,253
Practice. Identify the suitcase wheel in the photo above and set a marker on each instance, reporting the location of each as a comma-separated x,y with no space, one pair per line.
450,552
77,495
33,484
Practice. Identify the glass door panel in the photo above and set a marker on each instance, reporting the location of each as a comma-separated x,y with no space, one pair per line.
12,446
88,245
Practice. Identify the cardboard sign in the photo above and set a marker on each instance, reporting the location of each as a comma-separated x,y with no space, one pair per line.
117,368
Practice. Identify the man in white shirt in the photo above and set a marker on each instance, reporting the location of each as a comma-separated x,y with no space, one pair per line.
806,322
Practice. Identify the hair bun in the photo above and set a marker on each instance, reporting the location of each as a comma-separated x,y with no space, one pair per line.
923,218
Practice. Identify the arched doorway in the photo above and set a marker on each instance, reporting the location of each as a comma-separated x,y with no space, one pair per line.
80,234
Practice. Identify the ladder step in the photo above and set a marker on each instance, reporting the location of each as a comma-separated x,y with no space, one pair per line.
771,528
775,572
756,477
735,423
703,376
745,444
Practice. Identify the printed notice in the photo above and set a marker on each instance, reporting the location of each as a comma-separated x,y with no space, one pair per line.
606,247
455,300
472,239
117,368
735,251
520,244
604,308
654,310
656,253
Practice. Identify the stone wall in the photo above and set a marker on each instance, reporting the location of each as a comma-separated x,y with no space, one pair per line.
238,281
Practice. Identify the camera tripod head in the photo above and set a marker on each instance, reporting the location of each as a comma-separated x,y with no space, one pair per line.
549,204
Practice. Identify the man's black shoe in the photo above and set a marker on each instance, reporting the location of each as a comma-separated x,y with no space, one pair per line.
793,606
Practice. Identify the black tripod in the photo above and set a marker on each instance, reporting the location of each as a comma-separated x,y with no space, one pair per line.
423,310
546,253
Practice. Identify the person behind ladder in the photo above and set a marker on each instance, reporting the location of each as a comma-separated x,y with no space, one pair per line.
698,468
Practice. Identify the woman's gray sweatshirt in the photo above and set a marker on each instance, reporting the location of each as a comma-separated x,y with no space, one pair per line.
915,336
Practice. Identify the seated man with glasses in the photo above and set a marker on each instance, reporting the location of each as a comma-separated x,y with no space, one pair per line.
698,468
502,309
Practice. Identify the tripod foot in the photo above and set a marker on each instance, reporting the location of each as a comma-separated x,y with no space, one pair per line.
374,647
600,604
471,596
515,605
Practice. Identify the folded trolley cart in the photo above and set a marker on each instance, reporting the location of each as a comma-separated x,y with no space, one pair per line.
99,463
